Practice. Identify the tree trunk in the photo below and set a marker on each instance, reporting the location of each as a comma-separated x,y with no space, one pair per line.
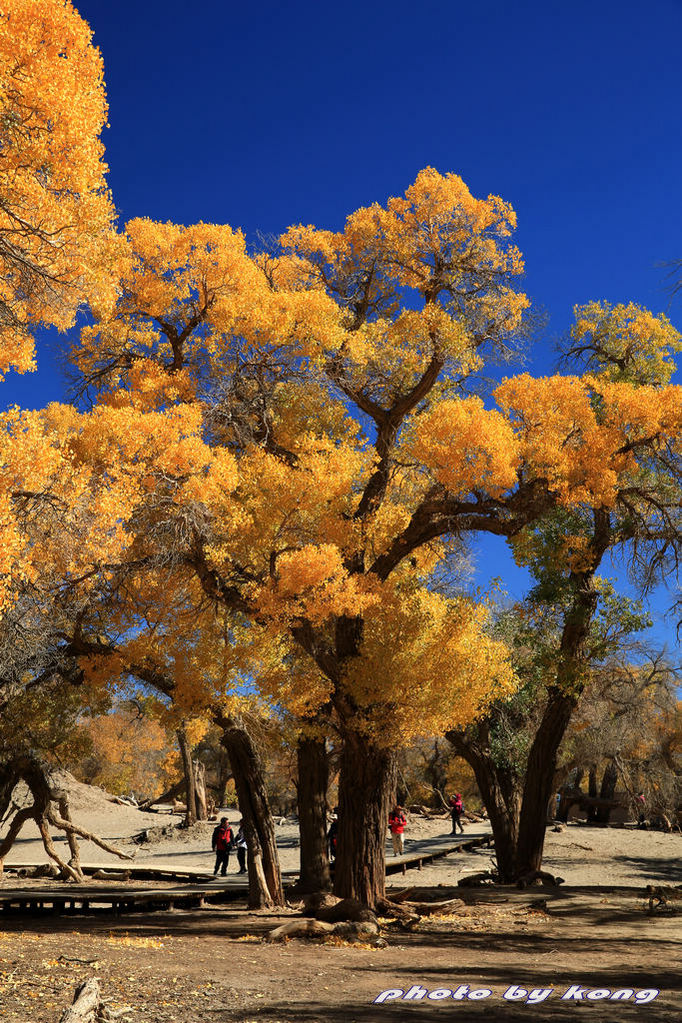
500,790
188,771
539,781
313,782
265,879
172,793
199,777
607,791
367,785
224,773
561,702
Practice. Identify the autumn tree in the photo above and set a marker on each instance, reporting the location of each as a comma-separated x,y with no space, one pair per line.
346,462
617,673
617,728
55,209
126,752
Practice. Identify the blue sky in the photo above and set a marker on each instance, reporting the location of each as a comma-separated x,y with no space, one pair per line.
263,115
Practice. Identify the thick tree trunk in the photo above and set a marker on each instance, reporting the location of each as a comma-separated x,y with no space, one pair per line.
367,786
562,700
188,771
607,792
313,782
539,781
500,790
265,879
199,777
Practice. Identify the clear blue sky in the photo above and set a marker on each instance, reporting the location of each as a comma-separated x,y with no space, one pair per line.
262,115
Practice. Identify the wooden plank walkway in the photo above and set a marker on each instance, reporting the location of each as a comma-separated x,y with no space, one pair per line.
188,889
434,849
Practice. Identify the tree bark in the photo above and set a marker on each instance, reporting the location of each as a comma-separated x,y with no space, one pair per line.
367,784
265,879
188,771
539,780
200,801
607,792
500,789
86,1003
313,782
172,793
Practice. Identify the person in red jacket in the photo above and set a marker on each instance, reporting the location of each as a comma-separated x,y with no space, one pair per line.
396,823
221,844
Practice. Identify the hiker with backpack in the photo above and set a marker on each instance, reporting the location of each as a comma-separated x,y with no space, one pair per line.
221,844
456,811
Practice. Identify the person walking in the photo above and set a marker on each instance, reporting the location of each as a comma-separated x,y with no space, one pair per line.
221,845
456,811
396,823
240,843
332,835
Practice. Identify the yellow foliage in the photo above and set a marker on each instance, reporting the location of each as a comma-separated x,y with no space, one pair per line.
466,447
55,210
427,664
626,342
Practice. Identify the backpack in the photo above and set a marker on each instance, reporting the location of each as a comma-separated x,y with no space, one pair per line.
224,839
458,805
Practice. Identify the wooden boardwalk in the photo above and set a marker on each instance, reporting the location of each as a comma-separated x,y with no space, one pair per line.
187,889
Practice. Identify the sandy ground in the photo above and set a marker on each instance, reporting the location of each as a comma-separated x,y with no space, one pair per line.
580,854
214,966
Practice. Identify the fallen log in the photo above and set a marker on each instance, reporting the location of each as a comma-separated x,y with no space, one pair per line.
542,876
86,1003
433,908
397,911
309,928
44,870
473,880
111,875
403,895
345,910
305,928
166,797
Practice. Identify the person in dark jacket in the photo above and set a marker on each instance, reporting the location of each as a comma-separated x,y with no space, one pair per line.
221,845
456,811
332,835
240,843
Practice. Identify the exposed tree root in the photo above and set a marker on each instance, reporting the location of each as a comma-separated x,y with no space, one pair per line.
45,793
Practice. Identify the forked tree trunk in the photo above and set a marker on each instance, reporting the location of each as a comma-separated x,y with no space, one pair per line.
500,790
313,782
265,879
367,784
